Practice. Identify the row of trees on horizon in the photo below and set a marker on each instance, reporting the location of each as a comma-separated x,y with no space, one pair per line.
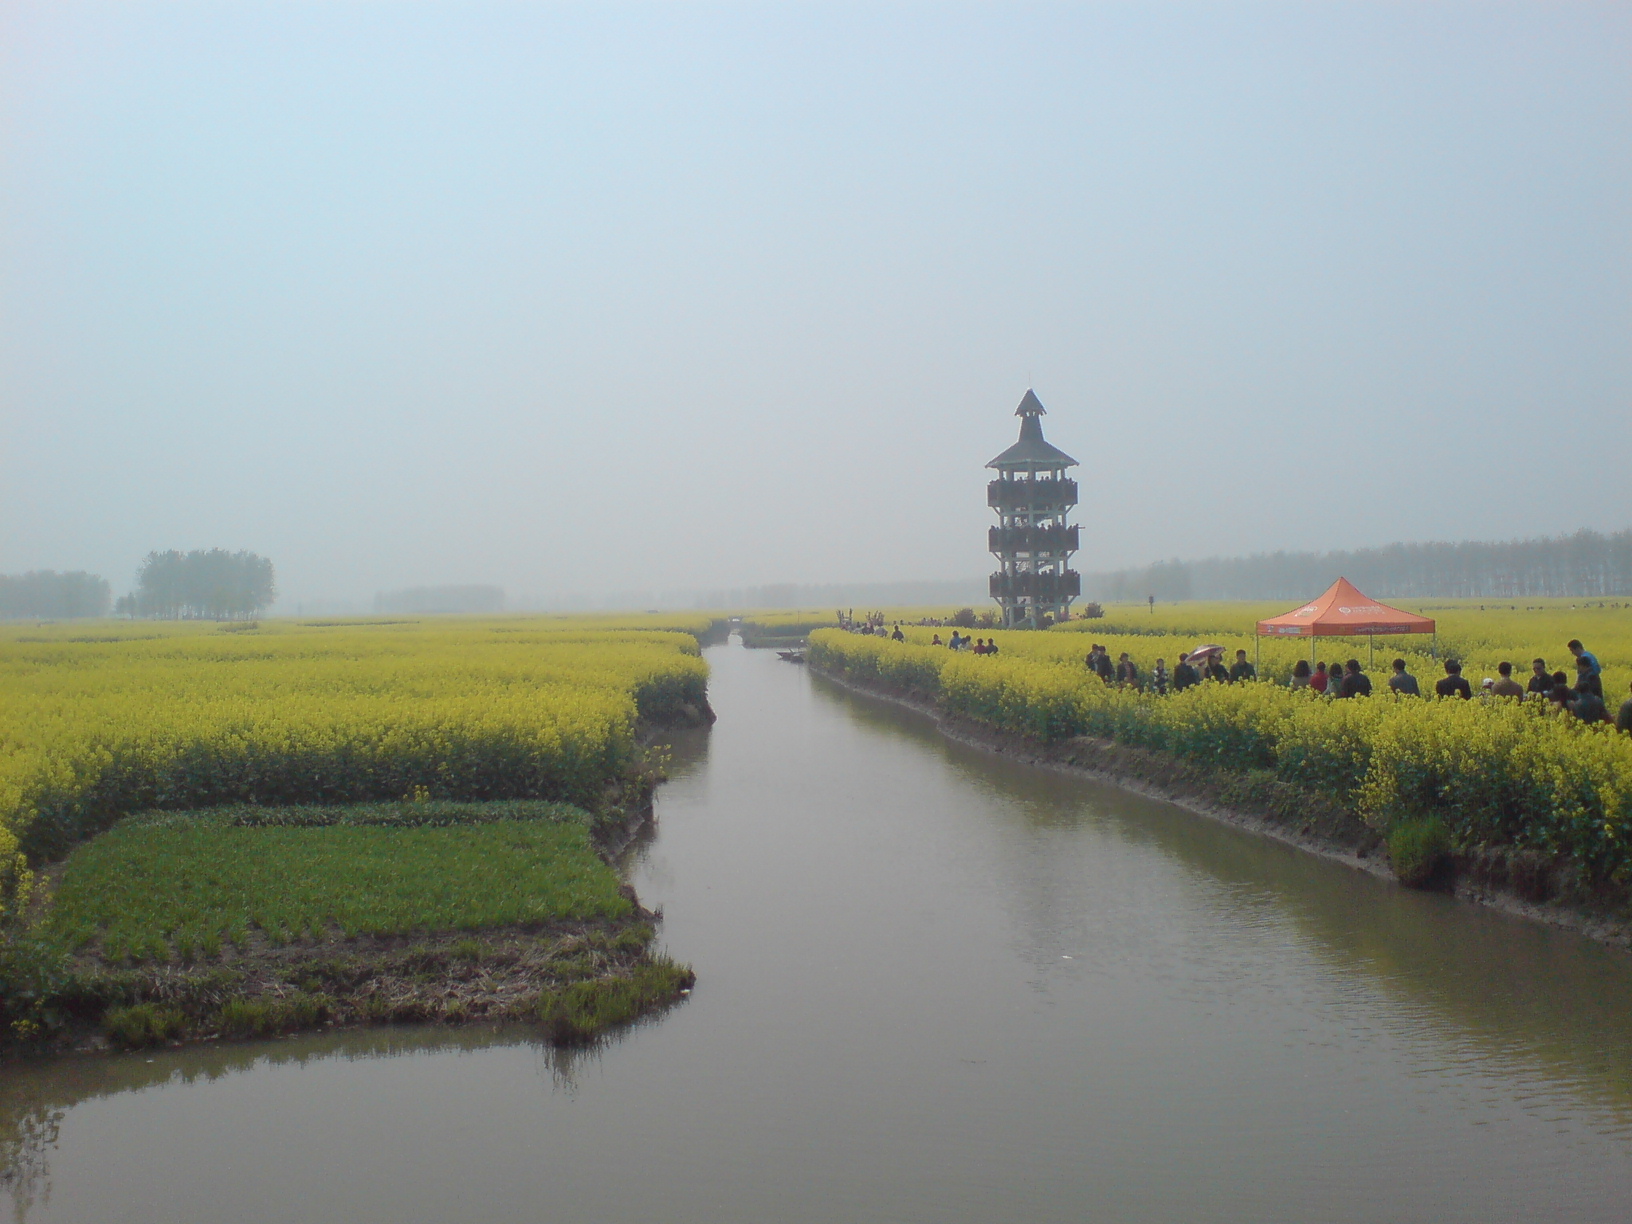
48,595
217,584
200,585
207,585
1585,565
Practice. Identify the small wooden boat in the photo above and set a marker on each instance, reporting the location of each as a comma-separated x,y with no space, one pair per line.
791,656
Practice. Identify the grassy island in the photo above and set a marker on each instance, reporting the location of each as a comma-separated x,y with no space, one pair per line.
244,921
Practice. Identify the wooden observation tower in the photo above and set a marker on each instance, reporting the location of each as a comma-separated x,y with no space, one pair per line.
1033,542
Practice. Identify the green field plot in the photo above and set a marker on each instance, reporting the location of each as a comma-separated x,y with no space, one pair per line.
162,886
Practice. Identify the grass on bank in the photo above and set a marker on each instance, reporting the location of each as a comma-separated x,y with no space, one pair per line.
179,885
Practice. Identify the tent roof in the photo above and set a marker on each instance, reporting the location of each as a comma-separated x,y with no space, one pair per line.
1032,453
1344,611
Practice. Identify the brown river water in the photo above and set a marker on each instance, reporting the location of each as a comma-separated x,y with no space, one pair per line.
932,986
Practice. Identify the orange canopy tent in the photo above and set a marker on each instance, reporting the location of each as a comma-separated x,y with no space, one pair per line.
1345,611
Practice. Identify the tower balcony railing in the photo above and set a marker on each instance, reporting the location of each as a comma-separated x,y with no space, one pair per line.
1047,588
1030,494
1008,540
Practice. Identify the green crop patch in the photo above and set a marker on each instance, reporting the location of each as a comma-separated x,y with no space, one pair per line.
181,886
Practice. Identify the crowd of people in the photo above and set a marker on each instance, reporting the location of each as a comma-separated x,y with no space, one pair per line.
1192,668
867,623
974,645
1584,698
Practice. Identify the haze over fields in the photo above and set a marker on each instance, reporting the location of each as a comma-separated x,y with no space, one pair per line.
596,298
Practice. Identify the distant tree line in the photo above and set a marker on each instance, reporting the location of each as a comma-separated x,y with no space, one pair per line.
441,599
48,595
212,585
841,594
1585,565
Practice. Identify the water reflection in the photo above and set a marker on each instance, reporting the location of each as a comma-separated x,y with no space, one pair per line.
1531,1001
36,1096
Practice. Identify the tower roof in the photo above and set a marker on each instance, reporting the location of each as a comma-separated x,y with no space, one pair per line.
1031,405
1032,453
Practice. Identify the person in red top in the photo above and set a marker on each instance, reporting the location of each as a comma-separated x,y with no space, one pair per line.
1318,680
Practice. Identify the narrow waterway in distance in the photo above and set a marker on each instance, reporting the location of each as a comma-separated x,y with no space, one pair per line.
933,985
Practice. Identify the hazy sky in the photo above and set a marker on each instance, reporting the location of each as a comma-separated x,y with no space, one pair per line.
575,298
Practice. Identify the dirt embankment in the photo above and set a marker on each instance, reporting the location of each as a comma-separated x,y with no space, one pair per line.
1261,803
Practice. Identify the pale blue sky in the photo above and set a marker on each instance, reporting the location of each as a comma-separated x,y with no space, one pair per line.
578,298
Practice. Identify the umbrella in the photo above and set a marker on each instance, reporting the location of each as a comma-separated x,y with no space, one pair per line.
1202,652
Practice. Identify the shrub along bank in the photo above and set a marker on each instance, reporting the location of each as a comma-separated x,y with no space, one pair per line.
1494,780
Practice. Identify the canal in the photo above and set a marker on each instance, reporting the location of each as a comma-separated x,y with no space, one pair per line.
932,986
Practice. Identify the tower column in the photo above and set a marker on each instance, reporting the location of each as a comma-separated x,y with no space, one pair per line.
1034,538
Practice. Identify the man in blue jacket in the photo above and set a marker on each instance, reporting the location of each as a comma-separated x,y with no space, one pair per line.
1583,655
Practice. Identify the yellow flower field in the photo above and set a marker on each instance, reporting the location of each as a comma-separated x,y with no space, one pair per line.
96,722
1478,634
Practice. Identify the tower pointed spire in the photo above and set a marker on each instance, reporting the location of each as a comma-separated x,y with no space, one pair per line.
1033,452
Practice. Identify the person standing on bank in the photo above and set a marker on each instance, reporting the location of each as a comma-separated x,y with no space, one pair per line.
1184,675
1127,671
1587,705
1241,669
1104,668
1453,685
1505,685
1583,655
1587,680
1356,683
1403,682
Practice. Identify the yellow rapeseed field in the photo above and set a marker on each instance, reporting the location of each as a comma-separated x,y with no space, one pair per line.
1498,772
96,722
